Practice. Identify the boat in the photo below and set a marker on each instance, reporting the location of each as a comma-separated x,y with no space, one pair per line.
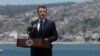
1,50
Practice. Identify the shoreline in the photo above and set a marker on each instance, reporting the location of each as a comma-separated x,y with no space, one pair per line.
9,42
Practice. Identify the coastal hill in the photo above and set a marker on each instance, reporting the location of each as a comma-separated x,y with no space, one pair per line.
71,18
12,10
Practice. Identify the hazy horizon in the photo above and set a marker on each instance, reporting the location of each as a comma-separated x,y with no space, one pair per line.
35,2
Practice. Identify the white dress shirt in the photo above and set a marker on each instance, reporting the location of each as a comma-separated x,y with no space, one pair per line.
39,23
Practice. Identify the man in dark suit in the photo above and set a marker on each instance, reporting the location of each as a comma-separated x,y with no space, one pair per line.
43,28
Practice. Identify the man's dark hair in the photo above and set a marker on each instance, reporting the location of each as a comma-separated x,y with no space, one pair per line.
41,6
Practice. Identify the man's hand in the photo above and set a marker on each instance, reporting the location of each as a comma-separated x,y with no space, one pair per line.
46,39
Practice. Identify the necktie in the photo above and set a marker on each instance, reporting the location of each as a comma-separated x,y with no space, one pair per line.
41,23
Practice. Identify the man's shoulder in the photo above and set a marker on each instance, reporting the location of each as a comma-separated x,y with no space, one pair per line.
50,21
34,21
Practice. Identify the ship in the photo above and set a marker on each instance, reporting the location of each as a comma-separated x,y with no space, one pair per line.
1,50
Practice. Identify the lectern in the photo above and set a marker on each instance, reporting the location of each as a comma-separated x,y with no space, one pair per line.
37,42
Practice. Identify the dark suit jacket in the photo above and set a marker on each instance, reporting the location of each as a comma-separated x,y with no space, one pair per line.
48,31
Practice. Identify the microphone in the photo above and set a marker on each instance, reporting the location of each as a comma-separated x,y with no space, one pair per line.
30,29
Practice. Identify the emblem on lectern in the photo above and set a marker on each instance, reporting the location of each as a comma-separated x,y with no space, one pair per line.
29,42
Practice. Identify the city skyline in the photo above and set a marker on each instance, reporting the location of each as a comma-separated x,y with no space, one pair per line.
28,2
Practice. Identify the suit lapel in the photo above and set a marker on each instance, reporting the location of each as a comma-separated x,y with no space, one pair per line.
45,24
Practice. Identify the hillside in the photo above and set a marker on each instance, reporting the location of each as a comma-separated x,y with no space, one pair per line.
12,10
69,17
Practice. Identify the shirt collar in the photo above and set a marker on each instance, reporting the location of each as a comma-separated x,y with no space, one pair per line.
42,20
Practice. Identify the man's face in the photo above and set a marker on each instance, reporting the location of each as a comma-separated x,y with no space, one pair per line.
42,13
